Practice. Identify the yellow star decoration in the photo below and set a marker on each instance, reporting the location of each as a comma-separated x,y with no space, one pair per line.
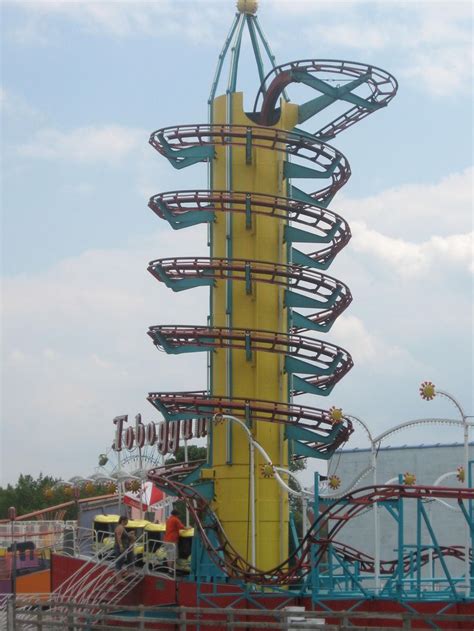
48,493
111,487
68,491
335,415
461,474
427,391
218,419
89,487
334,482
409,479
135,485
266,470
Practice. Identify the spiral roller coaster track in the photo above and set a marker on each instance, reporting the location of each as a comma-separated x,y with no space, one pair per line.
313,299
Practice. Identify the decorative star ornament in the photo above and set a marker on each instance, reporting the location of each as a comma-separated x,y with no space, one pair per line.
427,390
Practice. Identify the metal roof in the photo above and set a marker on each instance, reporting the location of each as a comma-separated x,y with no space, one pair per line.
395,447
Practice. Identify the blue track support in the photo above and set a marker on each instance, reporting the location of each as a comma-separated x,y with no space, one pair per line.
295,365
303,386
181,284
438,550
301,196
330,94
291,169
293,299
300,258
400,542
299,321
182,158
315,578
295,235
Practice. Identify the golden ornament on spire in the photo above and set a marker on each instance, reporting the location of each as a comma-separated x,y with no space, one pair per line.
247,6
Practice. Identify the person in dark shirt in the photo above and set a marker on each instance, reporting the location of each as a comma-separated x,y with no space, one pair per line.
123,541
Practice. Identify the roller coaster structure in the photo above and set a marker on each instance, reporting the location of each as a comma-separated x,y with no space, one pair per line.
268,299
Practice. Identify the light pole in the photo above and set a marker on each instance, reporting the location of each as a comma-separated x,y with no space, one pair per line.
252,443
373,463
12,518
428,393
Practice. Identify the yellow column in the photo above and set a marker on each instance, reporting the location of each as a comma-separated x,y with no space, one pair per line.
263,376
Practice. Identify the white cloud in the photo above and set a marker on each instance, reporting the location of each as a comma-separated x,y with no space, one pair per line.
367,348
196,23
14,106
109,144
414,259
442,207
432,40
76,351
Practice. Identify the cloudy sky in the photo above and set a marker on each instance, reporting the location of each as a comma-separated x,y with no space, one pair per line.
84,84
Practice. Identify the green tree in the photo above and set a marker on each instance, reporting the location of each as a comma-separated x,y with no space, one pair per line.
194,453
295,503
29,495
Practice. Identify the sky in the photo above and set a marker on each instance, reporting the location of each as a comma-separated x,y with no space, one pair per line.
83,84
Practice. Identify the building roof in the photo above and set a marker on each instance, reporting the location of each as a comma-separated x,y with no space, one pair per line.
395,447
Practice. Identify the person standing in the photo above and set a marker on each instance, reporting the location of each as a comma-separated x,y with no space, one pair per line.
123,541
173,526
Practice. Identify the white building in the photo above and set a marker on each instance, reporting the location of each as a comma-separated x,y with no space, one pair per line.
428,463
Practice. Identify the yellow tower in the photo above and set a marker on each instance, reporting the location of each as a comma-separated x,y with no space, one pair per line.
250,306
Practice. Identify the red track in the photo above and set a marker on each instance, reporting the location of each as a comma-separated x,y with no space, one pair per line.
317,286
325,159
321,534
332,362
381,87
202,405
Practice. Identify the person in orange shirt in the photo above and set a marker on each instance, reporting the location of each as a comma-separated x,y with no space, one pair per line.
173,526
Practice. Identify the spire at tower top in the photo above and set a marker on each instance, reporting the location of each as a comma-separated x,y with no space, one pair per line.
247,6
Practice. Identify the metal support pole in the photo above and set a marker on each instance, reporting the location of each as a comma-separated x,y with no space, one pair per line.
376,524
467,562
186,461
119,484
252,503
314,549
400,541
418,548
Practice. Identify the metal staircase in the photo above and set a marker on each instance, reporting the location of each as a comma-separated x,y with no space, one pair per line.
96,582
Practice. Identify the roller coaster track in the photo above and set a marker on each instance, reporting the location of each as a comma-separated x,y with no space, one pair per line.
323,434
184,145
380,86
314,290
313,299
326,363
389,568
188,208
318,538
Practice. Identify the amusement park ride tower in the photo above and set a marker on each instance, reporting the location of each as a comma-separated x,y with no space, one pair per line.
269,300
